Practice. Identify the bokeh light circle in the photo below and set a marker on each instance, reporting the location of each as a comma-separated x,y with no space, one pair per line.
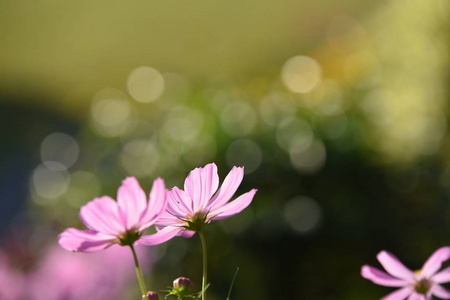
238,119
308,160
84,186
50,181
294,131
303,214
139,157
59,147
245,153
110,111
301,74
145,84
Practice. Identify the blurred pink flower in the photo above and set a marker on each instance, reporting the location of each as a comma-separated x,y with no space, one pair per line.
121,222
419,285
190,210
12,281
62,275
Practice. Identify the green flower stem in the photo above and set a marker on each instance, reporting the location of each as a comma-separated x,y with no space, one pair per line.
138,273
205,260
232,282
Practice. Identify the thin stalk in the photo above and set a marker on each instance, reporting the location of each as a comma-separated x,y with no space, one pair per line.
205,268
139,274
232,282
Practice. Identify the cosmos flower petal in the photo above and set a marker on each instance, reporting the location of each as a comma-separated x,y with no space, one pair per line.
233,207
160,237
186,233
132,202
227,189
102,214
422,284
434,263
443,276
416,296
179,202
183,231
201,184
399,294
193,208
393,266
379,277
440,292
156,205
119,222
167,219
73,239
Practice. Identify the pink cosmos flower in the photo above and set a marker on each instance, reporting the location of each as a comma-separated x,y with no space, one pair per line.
190,210
121,222
419,285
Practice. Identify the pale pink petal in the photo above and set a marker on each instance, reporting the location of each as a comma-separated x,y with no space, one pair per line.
434,263
379,277
156,205
227,189
186,233
233,207
73,239
443,276
102,215
399,294
393,266
416,296
201,184
160,237
132,202
440,292
179,203
167,219
183,231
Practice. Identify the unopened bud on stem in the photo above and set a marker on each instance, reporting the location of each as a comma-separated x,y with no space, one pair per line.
183,284
151,296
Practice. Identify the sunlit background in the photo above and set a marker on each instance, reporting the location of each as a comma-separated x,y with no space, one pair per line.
337,109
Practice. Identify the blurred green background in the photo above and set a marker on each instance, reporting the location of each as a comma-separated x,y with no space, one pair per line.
337,109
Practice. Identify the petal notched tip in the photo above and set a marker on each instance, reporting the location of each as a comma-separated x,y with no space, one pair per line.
394,266
132,202
379,277
130,180
434,263
234,207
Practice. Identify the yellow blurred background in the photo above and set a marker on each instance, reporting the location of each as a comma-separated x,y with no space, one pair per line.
337,109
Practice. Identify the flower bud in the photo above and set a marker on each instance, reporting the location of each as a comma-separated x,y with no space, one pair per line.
183,284
151,295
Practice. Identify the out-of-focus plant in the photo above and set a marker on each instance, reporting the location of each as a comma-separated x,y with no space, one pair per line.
58,274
